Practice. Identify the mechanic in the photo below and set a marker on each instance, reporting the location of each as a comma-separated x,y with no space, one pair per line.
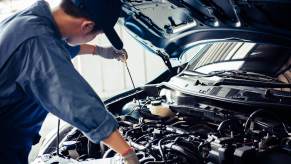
37,75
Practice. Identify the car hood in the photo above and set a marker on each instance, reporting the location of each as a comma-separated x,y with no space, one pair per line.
170,27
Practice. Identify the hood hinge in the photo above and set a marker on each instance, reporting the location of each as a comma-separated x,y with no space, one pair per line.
166,60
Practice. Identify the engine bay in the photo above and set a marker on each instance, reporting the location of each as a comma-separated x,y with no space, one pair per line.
181,129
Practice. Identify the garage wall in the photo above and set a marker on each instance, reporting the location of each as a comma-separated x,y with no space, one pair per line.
109,77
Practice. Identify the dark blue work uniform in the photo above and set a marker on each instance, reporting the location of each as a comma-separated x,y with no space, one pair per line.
73,50
37,77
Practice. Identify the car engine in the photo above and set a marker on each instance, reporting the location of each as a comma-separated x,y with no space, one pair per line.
162,131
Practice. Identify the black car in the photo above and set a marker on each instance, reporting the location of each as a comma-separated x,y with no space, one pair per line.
227,101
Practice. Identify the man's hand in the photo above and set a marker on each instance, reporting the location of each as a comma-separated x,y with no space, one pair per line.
119,145
112,53
120,55
130,158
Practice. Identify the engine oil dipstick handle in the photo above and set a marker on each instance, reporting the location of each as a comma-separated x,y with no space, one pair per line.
132,82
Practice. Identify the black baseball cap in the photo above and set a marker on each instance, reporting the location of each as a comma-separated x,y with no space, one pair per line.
105,13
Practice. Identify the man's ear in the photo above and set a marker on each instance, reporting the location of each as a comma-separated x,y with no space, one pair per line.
87,26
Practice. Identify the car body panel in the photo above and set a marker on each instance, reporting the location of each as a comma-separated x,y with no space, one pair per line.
177,25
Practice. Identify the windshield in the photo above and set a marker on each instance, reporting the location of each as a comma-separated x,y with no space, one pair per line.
243,56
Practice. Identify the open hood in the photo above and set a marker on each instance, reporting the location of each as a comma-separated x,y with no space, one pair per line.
170,27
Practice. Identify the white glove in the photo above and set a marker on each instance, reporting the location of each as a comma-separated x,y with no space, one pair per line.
130,158
112,53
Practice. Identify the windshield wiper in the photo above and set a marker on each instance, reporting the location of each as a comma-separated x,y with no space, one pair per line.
251,83
241,75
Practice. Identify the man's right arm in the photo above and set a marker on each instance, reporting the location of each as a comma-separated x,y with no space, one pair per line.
49,76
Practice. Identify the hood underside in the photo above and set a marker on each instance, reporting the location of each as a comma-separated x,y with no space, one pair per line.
172,26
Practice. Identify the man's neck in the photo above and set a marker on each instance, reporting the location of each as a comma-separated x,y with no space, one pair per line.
59,17
66,24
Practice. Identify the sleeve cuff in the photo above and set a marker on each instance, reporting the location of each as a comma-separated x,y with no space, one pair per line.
107,127
74,50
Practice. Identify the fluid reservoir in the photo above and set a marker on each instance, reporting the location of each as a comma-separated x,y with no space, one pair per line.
160,109
131,108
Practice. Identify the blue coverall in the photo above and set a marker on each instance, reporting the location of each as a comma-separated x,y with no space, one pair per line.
37,77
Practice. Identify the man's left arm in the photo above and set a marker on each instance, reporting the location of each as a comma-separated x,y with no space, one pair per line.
105,52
